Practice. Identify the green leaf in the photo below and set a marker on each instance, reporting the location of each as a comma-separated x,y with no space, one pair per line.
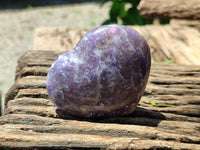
164,21
129,17
117,10
122,11
147,20
108,21
133,17
135,3
160,105
152,103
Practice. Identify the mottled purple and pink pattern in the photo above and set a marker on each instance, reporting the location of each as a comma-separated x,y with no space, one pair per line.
104,75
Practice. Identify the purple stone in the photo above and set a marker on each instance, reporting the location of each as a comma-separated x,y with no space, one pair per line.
104,75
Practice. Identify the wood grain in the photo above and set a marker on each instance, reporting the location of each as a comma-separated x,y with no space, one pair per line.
66,37
0,102
182,9
179,43
31,120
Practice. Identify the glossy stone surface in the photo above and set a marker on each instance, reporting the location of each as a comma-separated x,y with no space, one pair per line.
104,75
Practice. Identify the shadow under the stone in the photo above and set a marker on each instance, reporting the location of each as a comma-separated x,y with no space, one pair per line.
140,116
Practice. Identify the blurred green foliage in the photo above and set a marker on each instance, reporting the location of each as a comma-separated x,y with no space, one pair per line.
126,11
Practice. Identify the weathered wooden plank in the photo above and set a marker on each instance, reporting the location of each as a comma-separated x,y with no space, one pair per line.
32,139
28,82
27,95
34,69
183,48
29,105
152,89
175,100
185,22
36,88
168,82
46,58
160,90
189,110
35,93
157,85
66,37
181,9
36,57
111,130
0,102
31,80
181,127
31,120
39,107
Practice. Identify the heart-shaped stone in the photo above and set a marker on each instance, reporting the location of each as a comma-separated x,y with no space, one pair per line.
104,75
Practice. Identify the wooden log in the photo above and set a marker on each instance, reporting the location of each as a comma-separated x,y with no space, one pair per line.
44,107
189,109
33,139
30,59
66,37
0,102
26,82
40,127
170,42
31,80
46,58
185,22
31,120
29,105
181,9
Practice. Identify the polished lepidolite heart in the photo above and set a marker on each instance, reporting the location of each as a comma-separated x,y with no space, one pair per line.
104,75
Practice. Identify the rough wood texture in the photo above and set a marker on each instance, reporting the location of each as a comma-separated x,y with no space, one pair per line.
184,22
0,102
170,42
60,39
32,121
182,9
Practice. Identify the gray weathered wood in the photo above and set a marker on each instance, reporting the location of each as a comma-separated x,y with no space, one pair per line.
46,38
182,9
31,120
0,102
179,43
